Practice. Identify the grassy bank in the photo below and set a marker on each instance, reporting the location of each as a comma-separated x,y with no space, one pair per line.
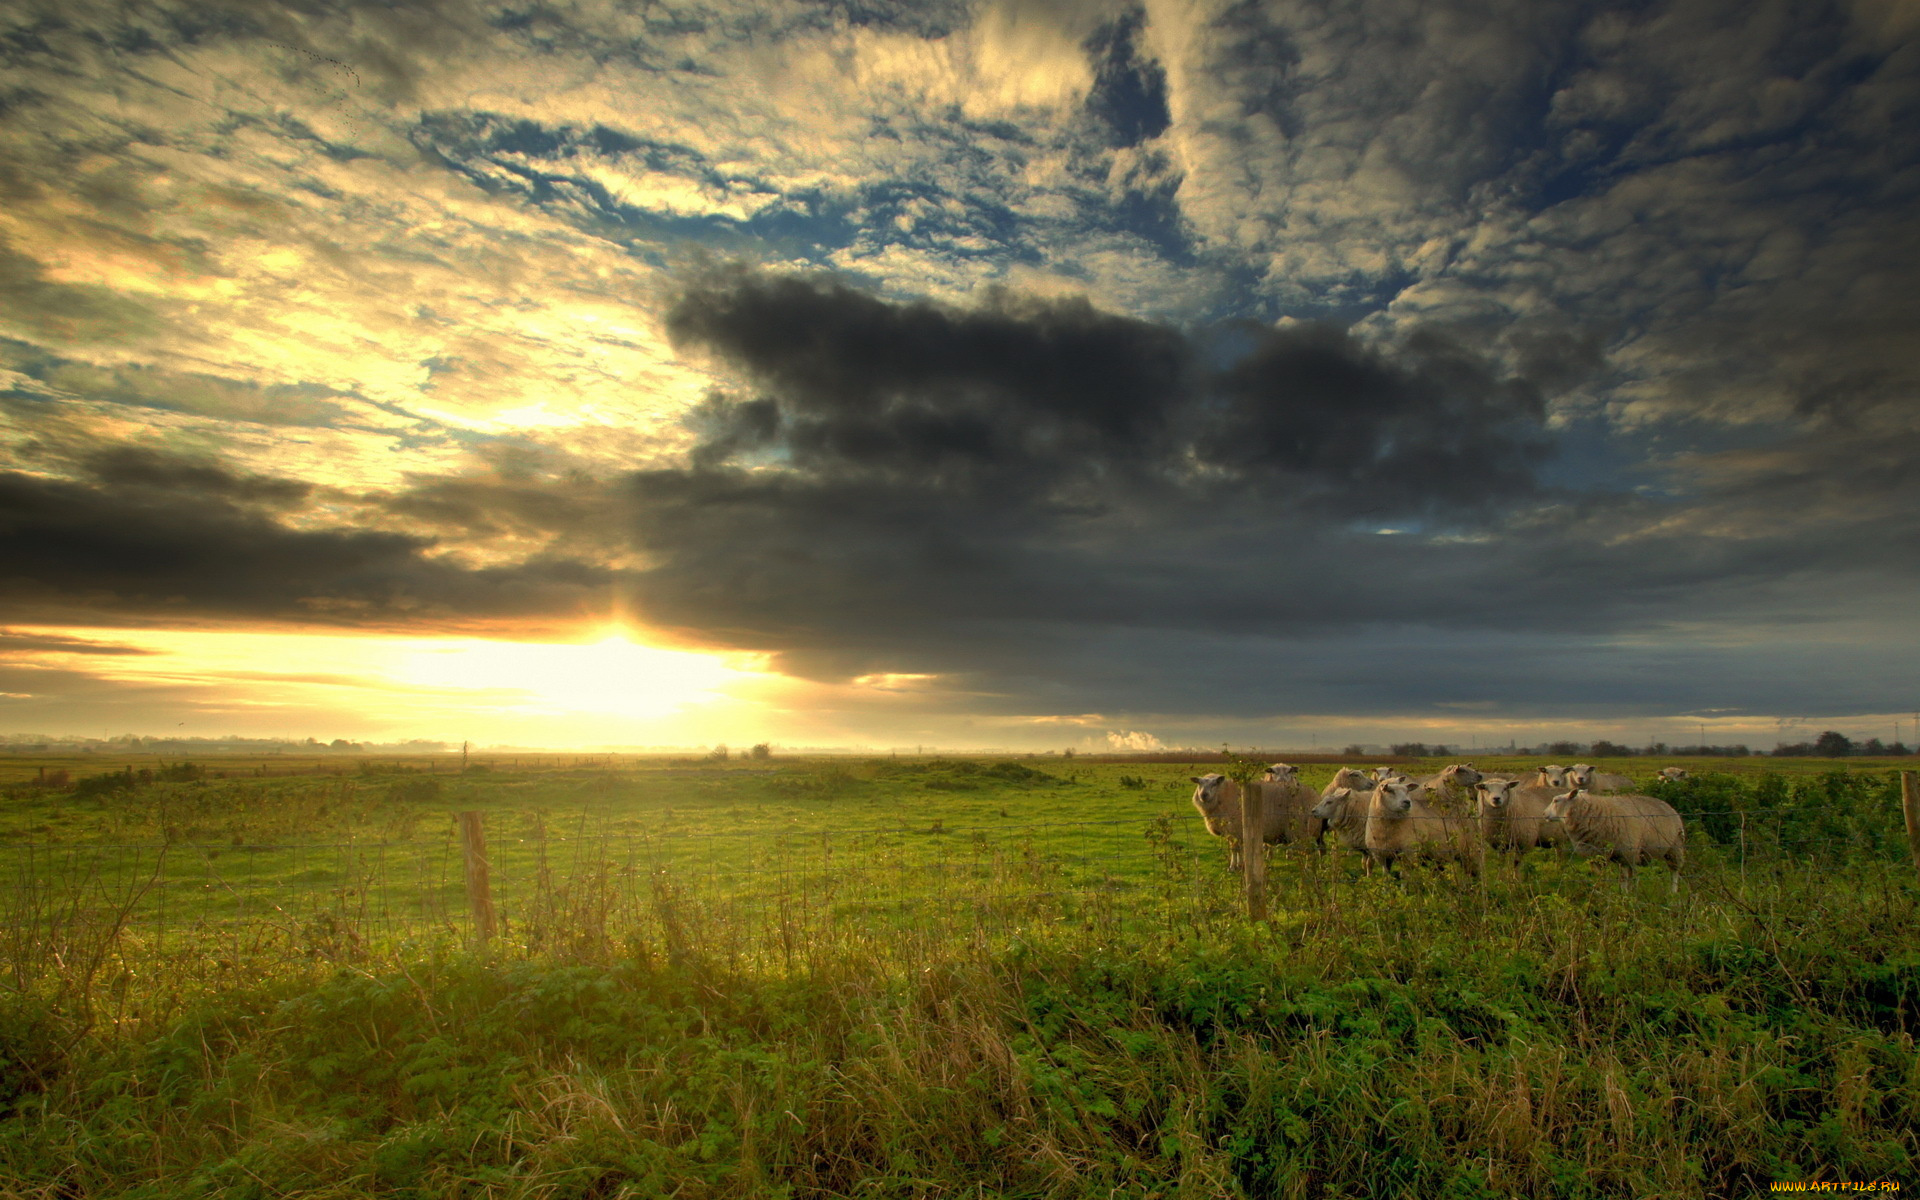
1029,1027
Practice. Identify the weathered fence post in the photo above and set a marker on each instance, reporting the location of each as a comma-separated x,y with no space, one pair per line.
1910,800
1253,847
1245,774
473,842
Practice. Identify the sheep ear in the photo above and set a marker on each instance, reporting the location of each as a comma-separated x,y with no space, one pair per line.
1196,778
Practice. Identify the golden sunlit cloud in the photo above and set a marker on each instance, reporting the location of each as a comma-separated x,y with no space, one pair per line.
614,675
895,681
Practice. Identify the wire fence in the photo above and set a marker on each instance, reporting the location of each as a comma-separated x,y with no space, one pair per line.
592,885
589,890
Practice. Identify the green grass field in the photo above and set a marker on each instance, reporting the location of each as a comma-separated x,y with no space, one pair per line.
908,977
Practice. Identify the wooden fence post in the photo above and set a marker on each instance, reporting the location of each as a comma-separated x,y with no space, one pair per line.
473,841
1910,800
1253,847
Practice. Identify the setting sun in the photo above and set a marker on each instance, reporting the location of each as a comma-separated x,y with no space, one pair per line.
612,676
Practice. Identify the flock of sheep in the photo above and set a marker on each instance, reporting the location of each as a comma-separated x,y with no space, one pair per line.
1457,815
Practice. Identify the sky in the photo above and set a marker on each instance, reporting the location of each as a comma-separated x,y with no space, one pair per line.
1023,375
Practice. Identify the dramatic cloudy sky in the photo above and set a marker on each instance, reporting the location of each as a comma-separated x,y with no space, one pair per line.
1020,374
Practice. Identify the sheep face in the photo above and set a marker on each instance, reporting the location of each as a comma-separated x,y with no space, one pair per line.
1673,773
1382,774
1557,810
1462,774
1331,802
1556,775
1208,796
1493,793
1579,775
1395,799
1282,772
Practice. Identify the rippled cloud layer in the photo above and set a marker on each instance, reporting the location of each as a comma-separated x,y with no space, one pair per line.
1186,366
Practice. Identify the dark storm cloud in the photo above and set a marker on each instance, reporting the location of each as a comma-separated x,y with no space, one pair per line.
1022,398
909,471
993,491
859,386
1386,435
138,470
1468,675
156,536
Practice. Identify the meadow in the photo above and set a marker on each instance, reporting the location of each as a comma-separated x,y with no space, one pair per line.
924,977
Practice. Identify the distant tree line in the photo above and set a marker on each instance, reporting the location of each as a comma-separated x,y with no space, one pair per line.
1606,749
1831,744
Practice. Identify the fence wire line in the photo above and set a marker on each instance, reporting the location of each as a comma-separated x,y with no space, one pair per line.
340,896
875,831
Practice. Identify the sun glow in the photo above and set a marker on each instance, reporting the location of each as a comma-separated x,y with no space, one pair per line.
614,689
614,676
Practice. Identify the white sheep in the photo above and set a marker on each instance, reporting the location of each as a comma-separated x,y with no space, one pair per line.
1584,777
1400,824
1286,810
1674,774
1451,789
1552,775
1513,817
1343,809
1347,777
1631,830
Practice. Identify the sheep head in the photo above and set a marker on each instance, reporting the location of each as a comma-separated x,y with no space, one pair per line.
1208,795
1557,811
1395,798
1331,802
1493,793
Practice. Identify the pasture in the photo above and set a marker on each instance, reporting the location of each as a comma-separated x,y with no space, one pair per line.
925,977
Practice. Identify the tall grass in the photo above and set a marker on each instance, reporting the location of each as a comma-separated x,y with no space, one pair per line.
1034,1025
